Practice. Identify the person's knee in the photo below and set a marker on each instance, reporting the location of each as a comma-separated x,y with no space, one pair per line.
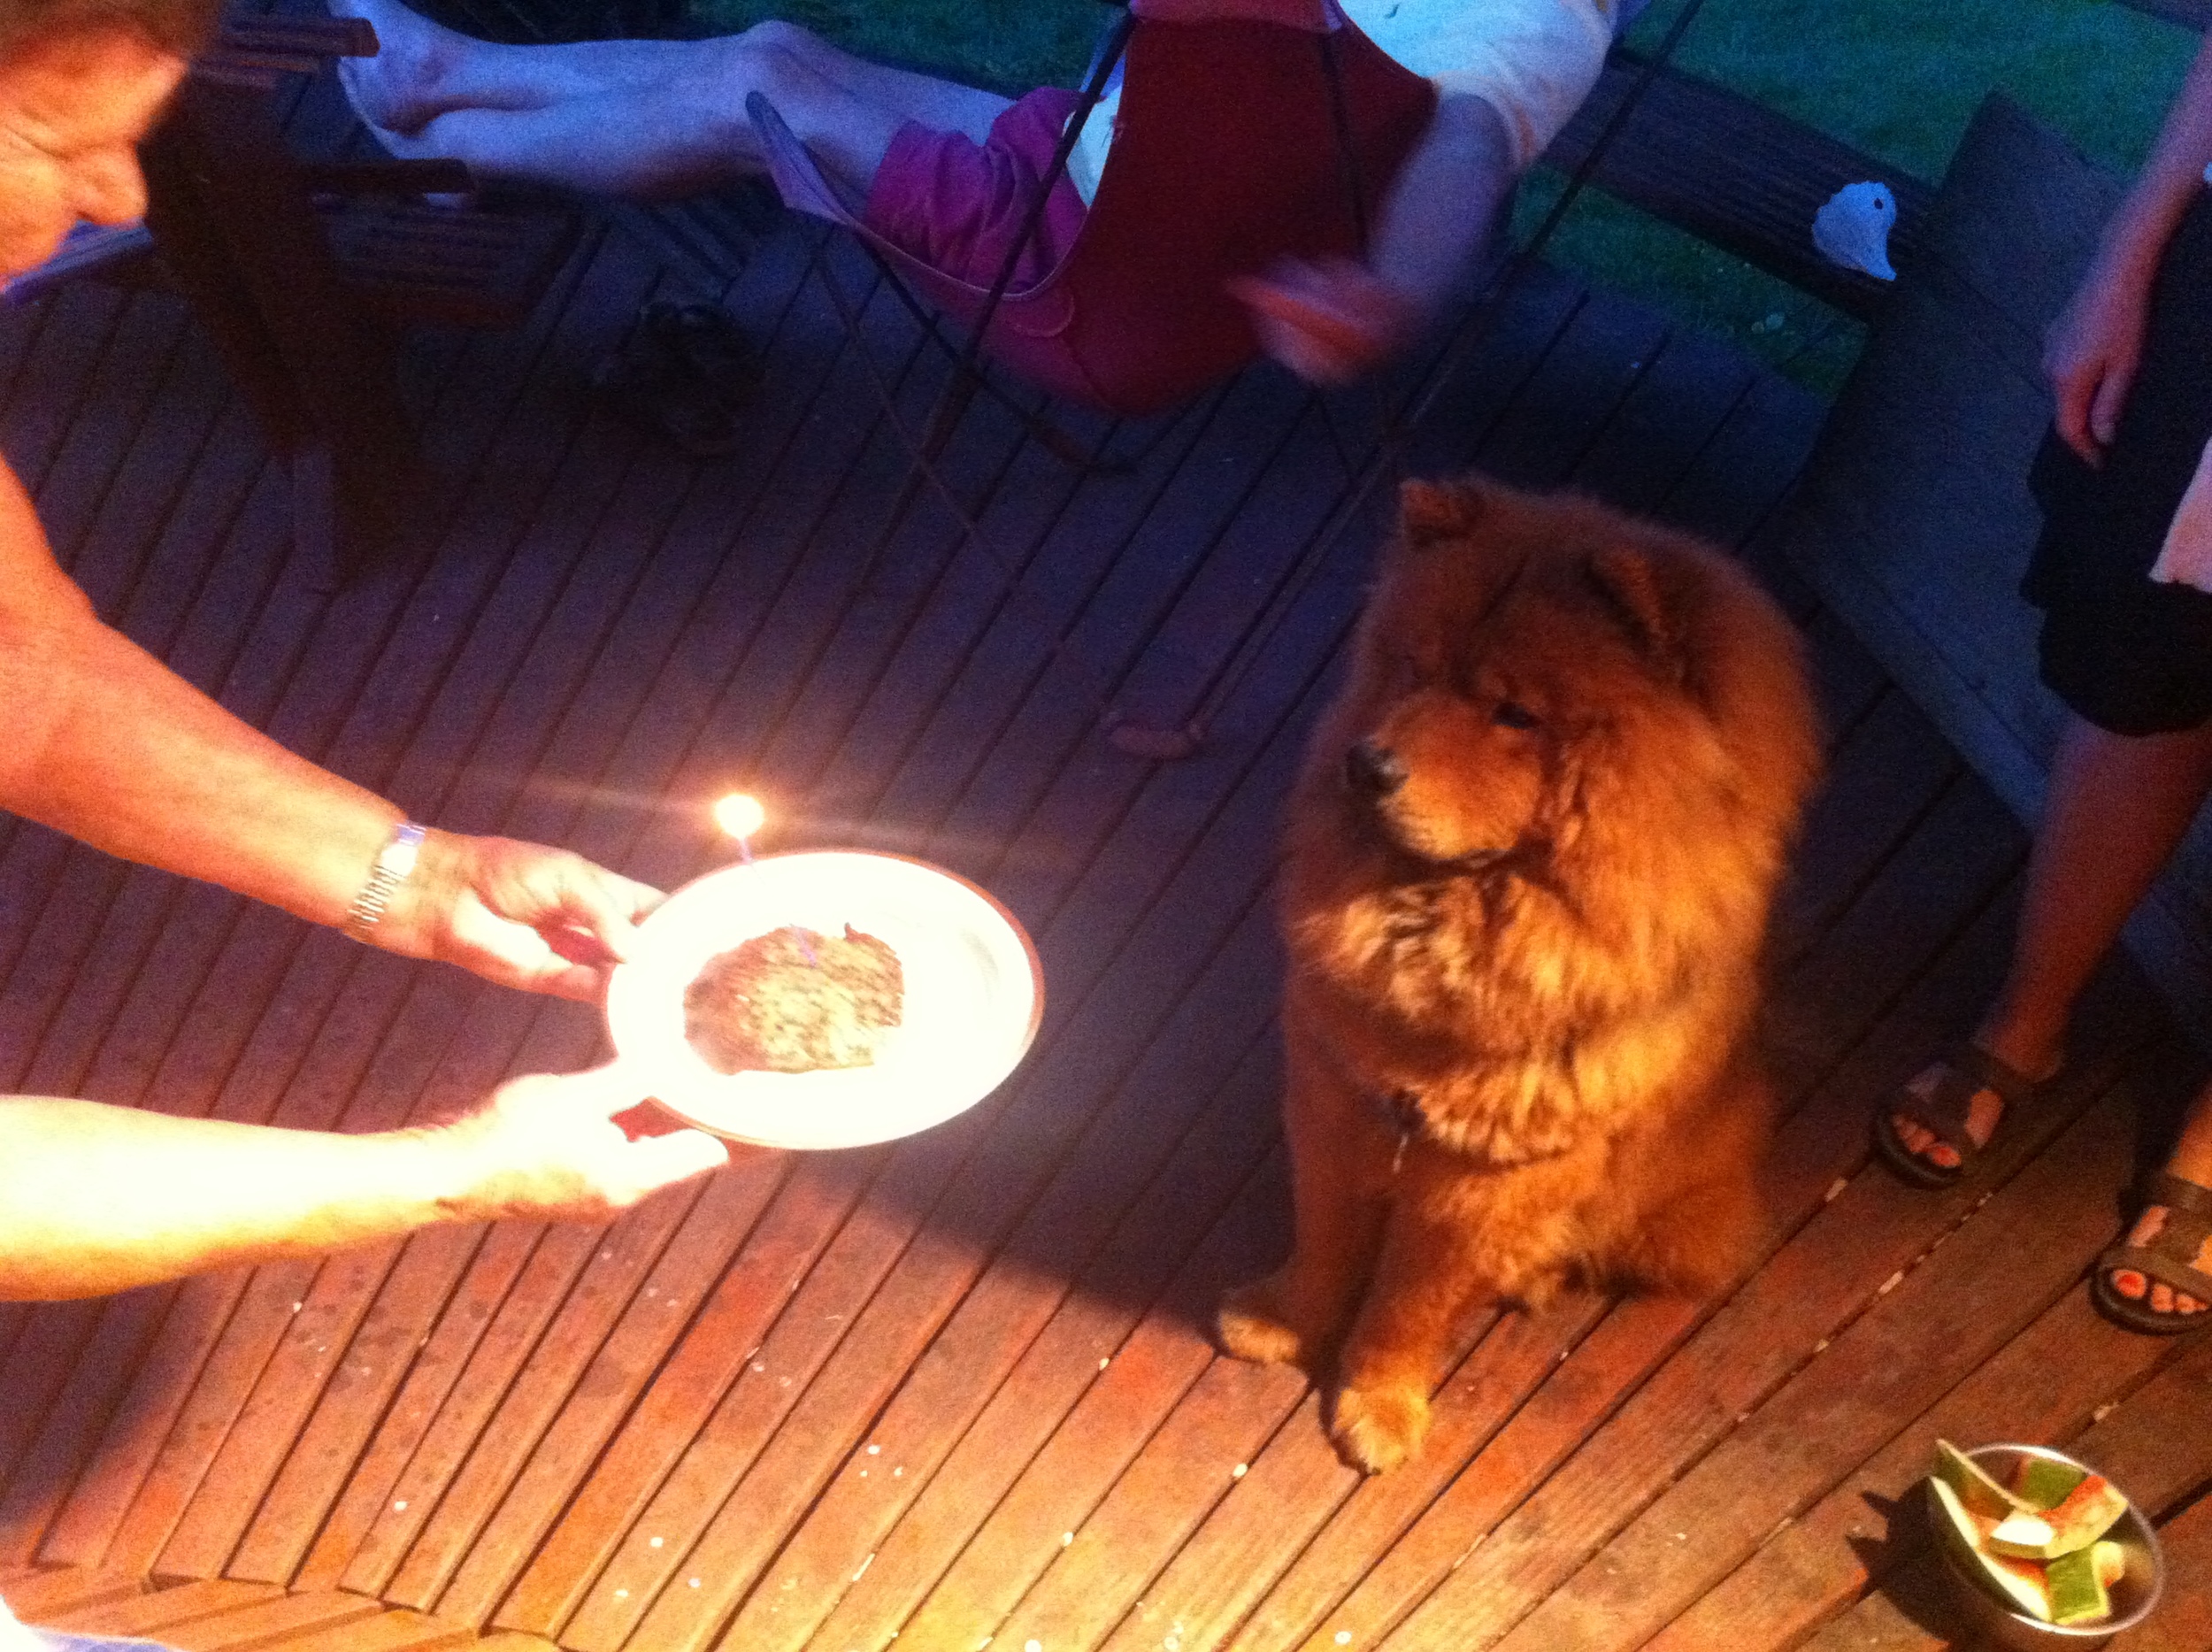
774,36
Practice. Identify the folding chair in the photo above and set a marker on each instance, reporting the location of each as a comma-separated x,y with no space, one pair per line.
1136,316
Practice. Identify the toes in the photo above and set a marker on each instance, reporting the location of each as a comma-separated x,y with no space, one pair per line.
1379,1428
1922,1142
2129,1283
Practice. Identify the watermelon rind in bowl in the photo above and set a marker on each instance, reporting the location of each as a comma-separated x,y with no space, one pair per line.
2134,1596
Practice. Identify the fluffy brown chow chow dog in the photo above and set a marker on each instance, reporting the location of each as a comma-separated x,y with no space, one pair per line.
1524,896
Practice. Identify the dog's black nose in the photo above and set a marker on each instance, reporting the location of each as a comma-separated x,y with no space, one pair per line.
1373,771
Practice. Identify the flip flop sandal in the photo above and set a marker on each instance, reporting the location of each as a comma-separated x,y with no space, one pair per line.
1939,1100
2170,1259
713,347
687,372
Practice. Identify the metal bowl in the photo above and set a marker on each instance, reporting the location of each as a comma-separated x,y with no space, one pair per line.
2133,1597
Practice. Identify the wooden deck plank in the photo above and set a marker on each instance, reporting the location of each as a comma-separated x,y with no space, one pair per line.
69,1589
998,1320
1960,1307
809,1208
1023,1137
1823,1139
387,1632
916,1528
150,1614
67,352
2184,1617
2046,1385
502,1425
576,1402
663,601
1064,1480
2152,1444
1594,370
361,1017
149,334
251,1000
269,1624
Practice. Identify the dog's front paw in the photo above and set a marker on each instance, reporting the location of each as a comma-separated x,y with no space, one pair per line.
1251,1325
1379,1428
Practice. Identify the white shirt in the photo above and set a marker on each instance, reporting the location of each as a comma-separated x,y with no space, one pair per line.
1533,61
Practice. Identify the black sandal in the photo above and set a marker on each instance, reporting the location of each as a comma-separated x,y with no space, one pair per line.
2170,1259
688,371
1937,1099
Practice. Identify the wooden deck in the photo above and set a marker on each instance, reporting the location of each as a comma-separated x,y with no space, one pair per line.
958,1391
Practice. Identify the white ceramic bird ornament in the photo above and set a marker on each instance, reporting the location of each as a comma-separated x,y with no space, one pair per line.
1852,227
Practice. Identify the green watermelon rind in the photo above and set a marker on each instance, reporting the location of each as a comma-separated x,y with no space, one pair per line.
2045,1482
1956,1528
1980,1493
2078,1592
2088,1513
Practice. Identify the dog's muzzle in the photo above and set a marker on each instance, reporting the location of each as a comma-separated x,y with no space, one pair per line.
1372,772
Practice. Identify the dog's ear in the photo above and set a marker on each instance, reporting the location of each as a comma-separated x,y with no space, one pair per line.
1645,603
1429,512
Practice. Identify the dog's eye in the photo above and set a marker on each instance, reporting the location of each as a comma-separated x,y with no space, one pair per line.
1513,714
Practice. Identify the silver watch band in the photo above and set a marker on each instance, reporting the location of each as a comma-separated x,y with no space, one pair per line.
394,863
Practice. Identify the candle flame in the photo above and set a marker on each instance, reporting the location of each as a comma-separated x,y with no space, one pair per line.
739,815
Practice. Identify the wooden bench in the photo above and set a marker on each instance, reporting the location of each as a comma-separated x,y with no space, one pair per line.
1735,173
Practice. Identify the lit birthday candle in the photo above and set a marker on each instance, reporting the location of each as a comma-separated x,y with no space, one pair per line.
740,815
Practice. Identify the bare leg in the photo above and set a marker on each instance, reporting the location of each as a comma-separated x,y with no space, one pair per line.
2118,807
642,118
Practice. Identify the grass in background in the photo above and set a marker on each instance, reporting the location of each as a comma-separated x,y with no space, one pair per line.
1899,78
1009,45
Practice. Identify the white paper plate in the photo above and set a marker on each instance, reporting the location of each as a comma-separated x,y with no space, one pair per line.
974,994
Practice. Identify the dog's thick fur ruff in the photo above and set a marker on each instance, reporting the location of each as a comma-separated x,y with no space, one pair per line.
1525,891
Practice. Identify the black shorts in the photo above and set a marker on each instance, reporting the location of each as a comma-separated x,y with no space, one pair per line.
2130,656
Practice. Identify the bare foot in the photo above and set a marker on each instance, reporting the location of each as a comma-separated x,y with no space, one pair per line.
1984,1111
2162,1297
402,89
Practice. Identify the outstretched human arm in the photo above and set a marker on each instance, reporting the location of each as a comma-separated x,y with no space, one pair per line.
1330,322
95,1199
108,744
2093,347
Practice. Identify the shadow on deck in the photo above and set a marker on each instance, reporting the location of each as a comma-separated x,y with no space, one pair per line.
957,1390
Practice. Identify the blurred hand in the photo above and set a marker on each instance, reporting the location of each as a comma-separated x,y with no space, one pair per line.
520,914
1328,322
2091,351
552,1147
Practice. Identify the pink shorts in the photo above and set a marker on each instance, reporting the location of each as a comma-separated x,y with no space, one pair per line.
958,204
